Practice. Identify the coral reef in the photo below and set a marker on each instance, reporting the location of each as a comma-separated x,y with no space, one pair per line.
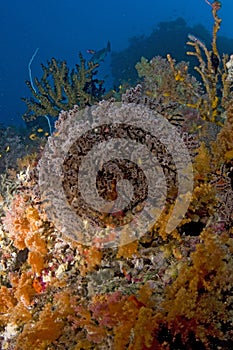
162,290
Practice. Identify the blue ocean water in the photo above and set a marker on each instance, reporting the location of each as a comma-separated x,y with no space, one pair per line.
63,28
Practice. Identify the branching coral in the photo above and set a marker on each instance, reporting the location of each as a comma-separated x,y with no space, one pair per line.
61,89
213,71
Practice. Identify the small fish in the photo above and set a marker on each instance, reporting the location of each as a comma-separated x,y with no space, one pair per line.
6,150
33,137
100,55
91,52
38,133
194,39
176,119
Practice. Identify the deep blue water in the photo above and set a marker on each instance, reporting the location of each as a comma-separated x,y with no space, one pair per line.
62,28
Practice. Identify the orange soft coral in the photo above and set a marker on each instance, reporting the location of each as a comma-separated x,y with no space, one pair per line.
25,228
192,305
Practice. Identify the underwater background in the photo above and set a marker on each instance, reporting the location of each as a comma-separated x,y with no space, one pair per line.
62,29
116,175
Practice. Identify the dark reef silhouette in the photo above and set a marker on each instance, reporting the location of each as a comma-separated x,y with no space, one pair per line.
168,37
